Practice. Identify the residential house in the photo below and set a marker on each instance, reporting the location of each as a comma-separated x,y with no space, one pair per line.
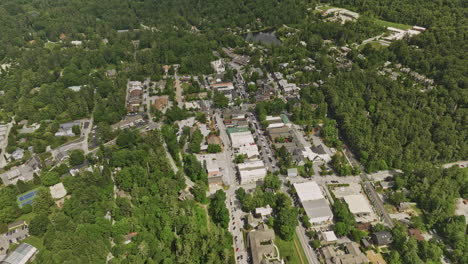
382,238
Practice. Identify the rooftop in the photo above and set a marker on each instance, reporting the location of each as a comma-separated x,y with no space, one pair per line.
308,191
21,255
358,204
318,211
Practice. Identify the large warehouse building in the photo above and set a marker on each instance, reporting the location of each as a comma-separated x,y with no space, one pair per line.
314,203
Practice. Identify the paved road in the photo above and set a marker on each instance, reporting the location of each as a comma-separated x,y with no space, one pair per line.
3,147
461,164
310,254
178,88
229,175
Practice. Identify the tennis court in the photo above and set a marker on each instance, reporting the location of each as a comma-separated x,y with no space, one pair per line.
26,198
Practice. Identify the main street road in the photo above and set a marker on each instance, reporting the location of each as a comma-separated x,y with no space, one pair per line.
310,254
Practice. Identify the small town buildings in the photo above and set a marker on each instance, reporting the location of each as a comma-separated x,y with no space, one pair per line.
261,244
66,129
316,153
17,231
387,184
251,171
350,255
328,237
279,132
241,139
129,121
263,211
382,238
18,154
314,203
218,66
223,87
21,255
360,207
24,172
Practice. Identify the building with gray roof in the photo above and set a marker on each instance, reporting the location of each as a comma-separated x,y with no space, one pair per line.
21,255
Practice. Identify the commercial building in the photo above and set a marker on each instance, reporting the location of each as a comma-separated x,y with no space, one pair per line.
360,208
262,247
251,171
251,151
314,203
350,255
128,122
328,237
213,168
21,255
241,139
66,129
223,87
263,211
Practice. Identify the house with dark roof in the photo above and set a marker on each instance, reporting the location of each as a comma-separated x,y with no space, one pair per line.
382,238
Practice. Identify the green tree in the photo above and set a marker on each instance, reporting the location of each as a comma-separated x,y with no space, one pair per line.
214,148
220,100
39,225
217,209
50,178
271,181
76,157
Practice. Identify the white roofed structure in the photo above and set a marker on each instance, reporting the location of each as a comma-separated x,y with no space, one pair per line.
251,171
307,191
241,138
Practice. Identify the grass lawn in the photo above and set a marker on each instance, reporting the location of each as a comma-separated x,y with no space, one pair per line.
325,8
26,217
51,46
35,241
288,250
202,217
384,23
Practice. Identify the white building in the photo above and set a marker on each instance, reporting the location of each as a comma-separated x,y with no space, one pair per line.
360,207
251,171
251,151
316,153
241,139
218,66
314,203
264,211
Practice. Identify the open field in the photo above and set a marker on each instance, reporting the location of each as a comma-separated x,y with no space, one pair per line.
288,250
384,23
